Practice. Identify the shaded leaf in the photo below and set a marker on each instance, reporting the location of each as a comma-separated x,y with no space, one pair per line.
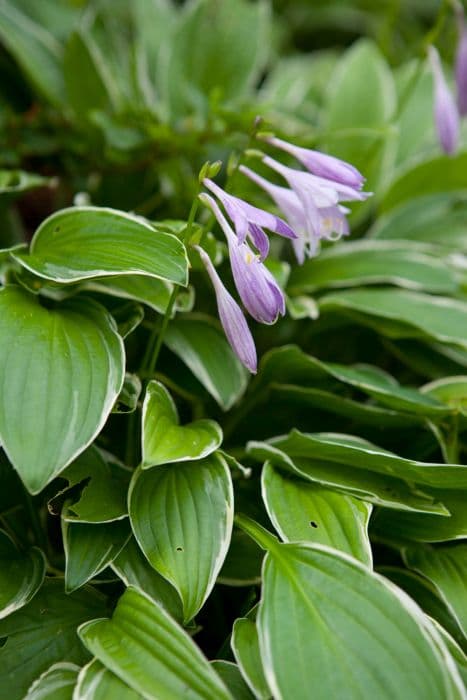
245,646
96,682
56,683
233,679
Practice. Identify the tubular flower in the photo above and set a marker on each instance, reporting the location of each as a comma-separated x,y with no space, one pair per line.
232,318
257,288
461,63
445,110
249,220
321,164
312,223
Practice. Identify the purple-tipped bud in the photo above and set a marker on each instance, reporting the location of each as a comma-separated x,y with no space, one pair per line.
321,164
232,318
461,63
258,290
445,110
249,220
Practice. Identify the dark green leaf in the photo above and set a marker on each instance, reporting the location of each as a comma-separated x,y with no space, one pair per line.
21,575
56,683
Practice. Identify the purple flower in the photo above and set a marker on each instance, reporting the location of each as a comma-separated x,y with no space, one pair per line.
445,110
461,63
258,290
249,220
321,164
232,319
312,223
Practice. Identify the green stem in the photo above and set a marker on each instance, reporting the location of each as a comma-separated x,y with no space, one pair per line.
257,532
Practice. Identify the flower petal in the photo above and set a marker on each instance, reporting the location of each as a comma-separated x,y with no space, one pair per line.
445,110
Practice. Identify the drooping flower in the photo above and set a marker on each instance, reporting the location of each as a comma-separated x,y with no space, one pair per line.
461,62
321,164
232,319
445,110
312,223
257,288
249,220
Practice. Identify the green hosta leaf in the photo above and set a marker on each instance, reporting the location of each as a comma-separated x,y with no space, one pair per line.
423,527
454,649
367,262
43,633
90,548
242,565
303,511
289,364
440,174
128,316
56,683
36,50
103,496
233,679
59,383
408,314
384,489
164,440
325,621
96,682
182,518
446,567
127,401
21,575
144,647
14,182
199,343
85,242
228,61
449,390
88,85
151,291
300,307
134,570
424,217
245,646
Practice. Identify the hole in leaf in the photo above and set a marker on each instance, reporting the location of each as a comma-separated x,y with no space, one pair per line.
313,524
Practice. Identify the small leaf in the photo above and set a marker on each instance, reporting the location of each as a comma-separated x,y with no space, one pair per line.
21,575
305,512
164,441
43,633
245,646
181,516
446,567
233,679
135,570
89,549
56,683
146,649
14,182
87,242
59,383
199,343
96,682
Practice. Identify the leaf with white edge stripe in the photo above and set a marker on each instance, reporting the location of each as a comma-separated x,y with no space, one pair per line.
21,575
61,370
96,682
302,511
56,683
80,243
164,440
144,647
233,679
446,567
326,622
245,646
182,517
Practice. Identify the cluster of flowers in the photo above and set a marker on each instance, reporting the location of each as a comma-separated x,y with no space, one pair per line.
447,113
312,210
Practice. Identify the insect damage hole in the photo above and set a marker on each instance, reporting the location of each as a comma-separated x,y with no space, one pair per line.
313,523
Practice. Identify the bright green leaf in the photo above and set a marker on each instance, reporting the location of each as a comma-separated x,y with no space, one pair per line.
96,682
60,382
245,646
56,683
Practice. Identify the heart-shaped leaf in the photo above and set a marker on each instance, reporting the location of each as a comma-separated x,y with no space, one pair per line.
96,682
59,382
182,518
144,647
307,512
85,242
90,548
326,621
21,575
56,683
164,441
